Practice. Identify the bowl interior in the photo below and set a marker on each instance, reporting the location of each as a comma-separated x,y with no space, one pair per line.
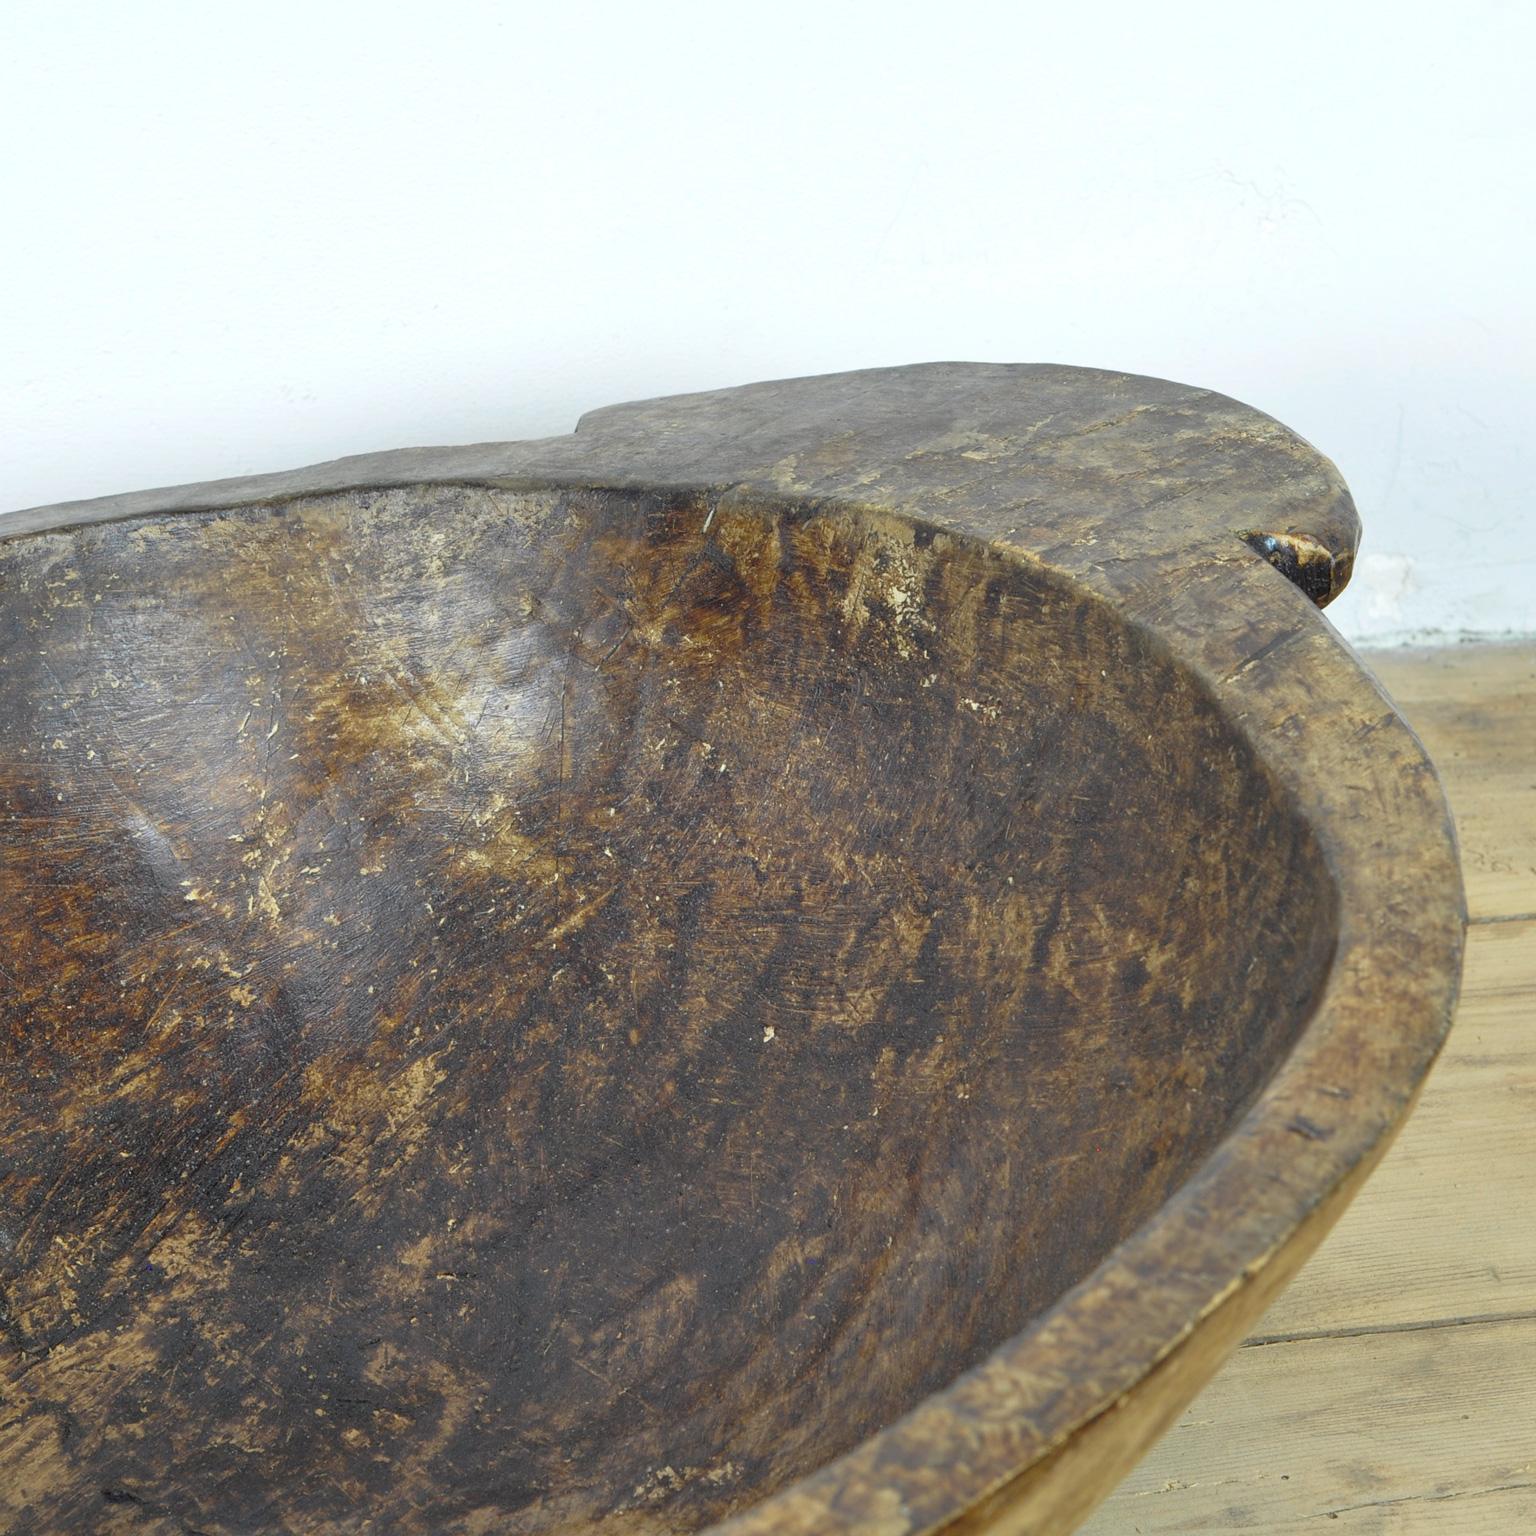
523,1008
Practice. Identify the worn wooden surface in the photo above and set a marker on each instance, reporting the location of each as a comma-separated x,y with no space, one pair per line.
1392,1387
575,981
807,1022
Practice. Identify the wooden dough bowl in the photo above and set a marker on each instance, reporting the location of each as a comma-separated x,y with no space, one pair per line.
802,959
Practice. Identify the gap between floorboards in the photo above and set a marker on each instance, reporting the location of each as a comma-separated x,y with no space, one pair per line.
1363,1330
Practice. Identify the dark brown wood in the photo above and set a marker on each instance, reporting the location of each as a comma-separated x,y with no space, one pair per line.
776,958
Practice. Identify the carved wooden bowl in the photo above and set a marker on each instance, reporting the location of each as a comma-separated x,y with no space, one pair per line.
806,957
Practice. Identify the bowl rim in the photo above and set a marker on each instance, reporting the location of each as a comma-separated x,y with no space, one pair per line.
1172,506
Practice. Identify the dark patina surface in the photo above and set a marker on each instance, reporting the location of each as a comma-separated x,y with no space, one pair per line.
578,982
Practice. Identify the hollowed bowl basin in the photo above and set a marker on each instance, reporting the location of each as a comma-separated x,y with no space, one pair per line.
805,957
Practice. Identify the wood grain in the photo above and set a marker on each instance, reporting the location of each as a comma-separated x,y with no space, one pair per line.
553,884
1392,1387
1474,707
1373,1435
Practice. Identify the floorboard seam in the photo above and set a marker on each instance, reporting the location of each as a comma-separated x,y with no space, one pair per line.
1367,1330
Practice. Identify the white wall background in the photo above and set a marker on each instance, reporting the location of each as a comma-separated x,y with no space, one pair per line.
239,238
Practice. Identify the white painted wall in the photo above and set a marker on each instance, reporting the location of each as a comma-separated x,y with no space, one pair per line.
243,238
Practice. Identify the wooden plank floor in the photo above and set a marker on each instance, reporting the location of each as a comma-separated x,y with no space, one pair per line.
1392,1388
